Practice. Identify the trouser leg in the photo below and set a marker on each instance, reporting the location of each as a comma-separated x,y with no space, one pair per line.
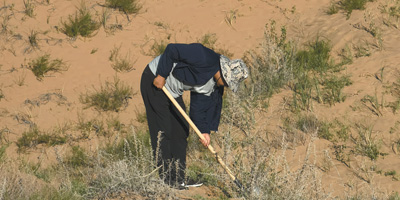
168,130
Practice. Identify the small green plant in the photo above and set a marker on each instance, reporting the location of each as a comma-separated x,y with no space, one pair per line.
77,158
394,196
80,24
33,137
44,65
3,153
308,123
373,104
141,117
125,6
1,94
392,10
390,173
36,170
33,41
112,96
93,51
333,86
333,8
346,55
342,154
366,144
349,5
120,63
94,125
209,40
105,15
158,48
342,131
29,8
230,17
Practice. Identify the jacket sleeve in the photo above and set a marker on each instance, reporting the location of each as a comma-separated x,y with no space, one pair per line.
205,111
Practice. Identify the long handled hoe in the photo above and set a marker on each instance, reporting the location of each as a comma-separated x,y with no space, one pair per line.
219,159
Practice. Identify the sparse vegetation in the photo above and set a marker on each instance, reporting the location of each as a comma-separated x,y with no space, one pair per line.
374,104
80,24
1,94
34,137
349,5
77,158
158,48
29,8
121,63
3,153
366,143
392,11
112,96
209,40
333,8
44,65
230,17
125,6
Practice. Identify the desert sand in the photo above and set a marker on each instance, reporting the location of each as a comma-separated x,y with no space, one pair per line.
174,21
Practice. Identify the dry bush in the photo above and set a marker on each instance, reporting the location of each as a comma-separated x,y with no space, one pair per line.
126,166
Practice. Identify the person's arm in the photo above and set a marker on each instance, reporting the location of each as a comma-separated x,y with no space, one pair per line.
205,111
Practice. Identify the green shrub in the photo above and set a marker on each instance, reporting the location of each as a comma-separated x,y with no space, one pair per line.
82,23
44,65
316,57
349,5
333,86
126,6
33,137
271,68
77,158
111,96
366,144
29,8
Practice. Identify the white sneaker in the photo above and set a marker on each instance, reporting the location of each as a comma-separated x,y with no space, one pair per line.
191,183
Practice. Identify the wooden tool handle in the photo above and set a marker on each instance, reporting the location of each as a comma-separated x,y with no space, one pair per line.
219,159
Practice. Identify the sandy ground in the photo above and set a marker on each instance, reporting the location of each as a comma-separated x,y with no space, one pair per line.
186,22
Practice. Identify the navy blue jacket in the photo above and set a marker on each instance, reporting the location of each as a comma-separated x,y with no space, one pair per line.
196,65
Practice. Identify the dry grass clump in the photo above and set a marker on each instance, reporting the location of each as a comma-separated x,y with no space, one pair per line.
125,6
121,63
34,137
124,166
81,24
347,6
209,40
112,96
272,67
1,94
43,65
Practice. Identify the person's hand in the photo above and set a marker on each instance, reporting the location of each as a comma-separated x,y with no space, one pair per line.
159,82
206,140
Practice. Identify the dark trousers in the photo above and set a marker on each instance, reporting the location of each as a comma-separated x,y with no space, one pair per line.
168,130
